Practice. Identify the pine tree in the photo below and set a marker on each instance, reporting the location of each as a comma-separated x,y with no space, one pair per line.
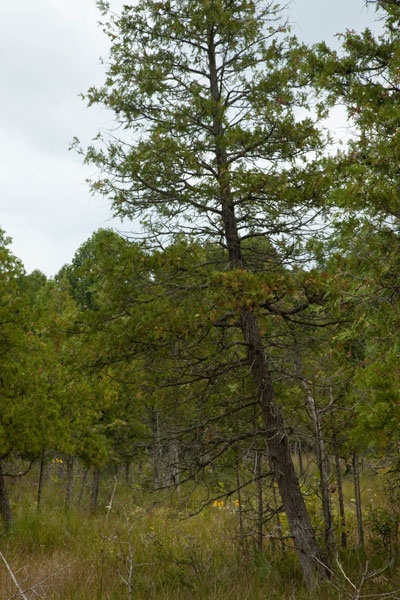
207,95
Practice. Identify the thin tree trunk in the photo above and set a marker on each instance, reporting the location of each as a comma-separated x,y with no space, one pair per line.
300,457
278,518
156,450
5,508
260,508
323,467
70,482
42,470
127,471
173,453
83,485
342,512
60,469
357,497
239,498
94,492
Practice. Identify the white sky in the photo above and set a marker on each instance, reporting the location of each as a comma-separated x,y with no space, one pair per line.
49,54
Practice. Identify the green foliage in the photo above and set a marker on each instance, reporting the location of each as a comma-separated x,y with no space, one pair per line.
22,386
384,526
158,87
365,77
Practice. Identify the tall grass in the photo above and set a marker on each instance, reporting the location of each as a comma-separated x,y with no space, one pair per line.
161,552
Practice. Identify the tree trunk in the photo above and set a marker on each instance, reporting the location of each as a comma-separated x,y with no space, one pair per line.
278,443
239,499
323,467
5,508
42,470
156,450
342,512
278,518
300,457
60,469
357,497
281,460
83,485
69,488
173,455
260,507
94,492
127,471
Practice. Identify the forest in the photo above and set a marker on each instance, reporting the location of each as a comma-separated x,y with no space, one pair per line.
209,408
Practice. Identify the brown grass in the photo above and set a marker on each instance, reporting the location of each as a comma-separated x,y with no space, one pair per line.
80,556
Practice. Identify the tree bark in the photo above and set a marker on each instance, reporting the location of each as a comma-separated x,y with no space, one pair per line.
83,485
127,471
357,497
239,498
323,467
156,450
42,470
278,518
173,456
69,488
305,543
342,512
94,492
260,507
5,508
300,457
60,469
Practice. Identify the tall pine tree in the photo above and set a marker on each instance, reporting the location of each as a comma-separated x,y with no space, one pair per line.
213,140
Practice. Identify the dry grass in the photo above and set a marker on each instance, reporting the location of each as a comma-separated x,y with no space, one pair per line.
80,556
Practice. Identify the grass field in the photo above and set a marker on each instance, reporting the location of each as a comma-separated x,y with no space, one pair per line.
138,549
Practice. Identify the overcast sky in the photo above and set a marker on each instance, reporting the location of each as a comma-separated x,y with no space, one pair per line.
49,54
